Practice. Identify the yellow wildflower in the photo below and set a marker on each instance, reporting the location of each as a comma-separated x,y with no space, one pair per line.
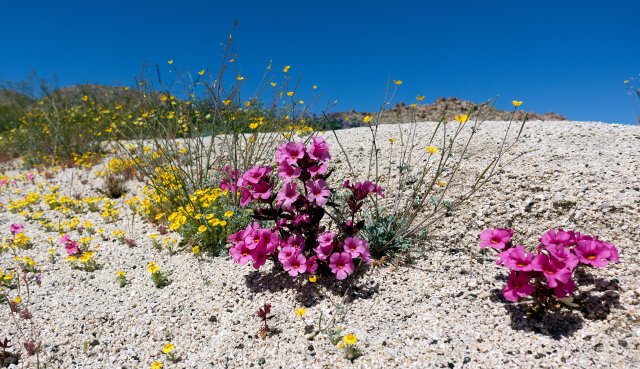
201,72
432,149
202,228
17,300
228,214
226,102
153,268
516,103
420,97
461,118
442,183
121,273
170,61
313,279
273,84
286,68
195,250
350,339
167,348
397,82
156,365
301,311
290,93
367,119
392,140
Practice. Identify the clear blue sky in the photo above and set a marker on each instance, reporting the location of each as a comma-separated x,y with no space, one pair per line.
564,56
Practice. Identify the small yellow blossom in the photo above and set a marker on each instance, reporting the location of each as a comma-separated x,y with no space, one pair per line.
153,268
432,149
313,279
290,93
85,98
392,140
367,119
17,300
301,311
201,72
253,125
228,214
195,250
273,84
516,103
442,183
340,345
239,78
315,87
420,97
156,365
461,118
121,273
167,348
202,228
397,82
286,68
170,61
350,339
226,102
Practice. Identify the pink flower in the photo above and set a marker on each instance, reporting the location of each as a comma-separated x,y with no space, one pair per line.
64,239
593,252
554,270
261,190
288,195
613,251
295,264
288,172
497,238
16,228
312,264
565,289
315,170
319,150
240,253
318,192
518,286
559,238
355,246
297,242
362,190
72,248
290,152
517,258
259,256
341,265
563,254
254,175
325,245
287,252
245,197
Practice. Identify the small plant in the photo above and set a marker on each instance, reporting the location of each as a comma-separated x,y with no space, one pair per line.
544,273
348,344
159,278
121,278
79,254
168,350
263,313
114,186
298,238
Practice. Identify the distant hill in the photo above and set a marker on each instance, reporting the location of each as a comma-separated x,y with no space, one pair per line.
450,107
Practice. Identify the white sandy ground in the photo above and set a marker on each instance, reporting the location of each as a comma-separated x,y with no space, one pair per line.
444,310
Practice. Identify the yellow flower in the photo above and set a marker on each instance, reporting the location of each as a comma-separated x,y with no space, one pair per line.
301,102
223,223
253,125
195,250
340,345
516,103
121,273
367,118
397,82
201,72
442,183
461,118
313,279
51,251
315,87
17,300
290,93
392,140
85,98
420,97
228,214
240,78
350,339
226,102
153,268
167,348
170,61
432,149
156,365
286,68
247,104
273,84
202,228
301,311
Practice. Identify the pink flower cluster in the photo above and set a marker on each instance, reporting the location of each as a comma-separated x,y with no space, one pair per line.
16,228
549,270
297,240
70,246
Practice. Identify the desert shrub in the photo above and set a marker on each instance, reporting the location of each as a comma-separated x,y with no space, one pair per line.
290,202
422,173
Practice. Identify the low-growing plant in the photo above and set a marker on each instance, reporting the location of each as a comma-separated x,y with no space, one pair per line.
263,314
544,273
121,278
159,278
294,232
79,254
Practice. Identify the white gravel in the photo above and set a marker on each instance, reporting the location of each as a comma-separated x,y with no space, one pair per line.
443,310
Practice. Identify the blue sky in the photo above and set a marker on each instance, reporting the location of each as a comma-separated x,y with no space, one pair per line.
564,56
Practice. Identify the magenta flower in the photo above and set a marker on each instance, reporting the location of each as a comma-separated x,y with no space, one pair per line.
290,152
318,192
72,248
261,190
16,228
355,246
297,242
312,264
559,238
563,254
613,251
518,286
254,175
517,258
296,264
497,238
288,195
554,270
288,172
240,253
341,265
593,252
325,245
64,239
259,256
319,150
316,170
287,252
565,289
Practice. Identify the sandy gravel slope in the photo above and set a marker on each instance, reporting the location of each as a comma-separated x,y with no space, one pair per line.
443,310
